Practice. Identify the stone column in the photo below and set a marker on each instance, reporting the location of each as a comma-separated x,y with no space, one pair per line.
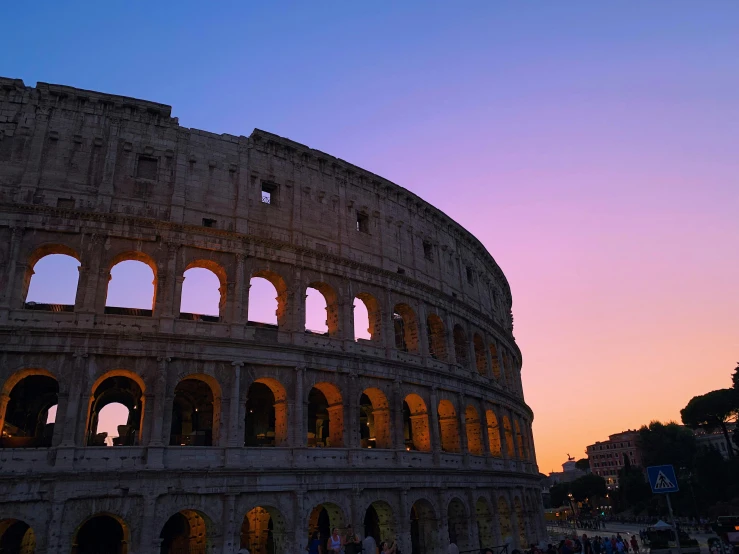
396,413
403,522
352,404
474,532
156,443
32,171
234,439
514,521
462,417
12,289
5,398
488,360
230,542
300,525
298,433
239,296
434,426
423,335
386,322
483,429
75,415
54,541
346,311
449,329
149,540
106,191
471,354
494,512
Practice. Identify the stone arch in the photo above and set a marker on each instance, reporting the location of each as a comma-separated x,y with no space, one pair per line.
520,441
460,345
506,369
474,431
187,531
494,439
494,361
374,420
436,337
504,520
481,360
263,531
521,518
379,522
332,306
196,411
131,256
216,269
281,298
17,537
448,427
122,387
416,431
405,324
42,252
266,417
101,532
458,525
424,529
325,416
25,401
510,448
324,518
373,316
484,517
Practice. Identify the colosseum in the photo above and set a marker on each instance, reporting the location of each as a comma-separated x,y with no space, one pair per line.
242,433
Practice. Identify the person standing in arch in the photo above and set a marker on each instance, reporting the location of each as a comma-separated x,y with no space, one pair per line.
352,544
335,543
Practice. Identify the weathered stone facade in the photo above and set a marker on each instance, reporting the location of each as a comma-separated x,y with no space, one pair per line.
105,179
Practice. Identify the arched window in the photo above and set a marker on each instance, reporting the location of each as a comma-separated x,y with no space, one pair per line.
52,282
321,310
510,448
485,521
267,299
436,337
131,290
379,521
406,328
116,409
203,292
493,434
195,412
325,416
323,518
494,361
424,528
185,531
481,361
448,427
263,531
474,435
266,414
460,345
101,533
366,320
374,420
25,423
416,433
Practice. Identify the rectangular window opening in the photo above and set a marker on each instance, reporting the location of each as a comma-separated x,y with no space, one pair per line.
469,275
209,222
269,193
362,222
146,168
428,251
67,203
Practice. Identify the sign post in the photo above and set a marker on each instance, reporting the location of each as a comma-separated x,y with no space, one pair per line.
663,480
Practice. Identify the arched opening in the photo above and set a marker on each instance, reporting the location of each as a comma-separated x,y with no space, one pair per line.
484,518
374,420
263,531
436,337
324,518
406,328
267,300
379,522
366,317
481,361
460,345
521,443
325,416
193,414
493,434
116,410
416,433
132,285
448,427
321,310
203,295
510,448
101,533
495,362
457,522
26,421
504,520
16,537
521,519
424,529
474,431
51,280
185,532
266,414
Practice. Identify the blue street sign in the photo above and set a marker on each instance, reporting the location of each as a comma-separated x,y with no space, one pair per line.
662,479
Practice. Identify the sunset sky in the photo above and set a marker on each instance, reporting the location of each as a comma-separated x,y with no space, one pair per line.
593,147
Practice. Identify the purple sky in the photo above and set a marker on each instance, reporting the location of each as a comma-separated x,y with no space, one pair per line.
591,146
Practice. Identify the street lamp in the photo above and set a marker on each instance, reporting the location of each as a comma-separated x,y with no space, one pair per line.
574,522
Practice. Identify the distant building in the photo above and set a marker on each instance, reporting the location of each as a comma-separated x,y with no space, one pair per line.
608,457
705,440
568,474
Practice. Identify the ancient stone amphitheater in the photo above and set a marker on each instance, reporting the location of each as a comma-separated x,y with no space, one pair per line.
241,433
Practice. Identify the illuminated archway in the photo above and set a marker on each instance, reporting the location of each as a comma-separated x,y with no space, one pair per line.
124,392
458,524
484,523
16,537
324,518
405,325
366,312
448,427
325,416
510,448
474,432
494,361
494,434
436,337
27,420
321,309
185,532
379,522
504,520
416,432
424,529
266,414
268,304
263,531
374,420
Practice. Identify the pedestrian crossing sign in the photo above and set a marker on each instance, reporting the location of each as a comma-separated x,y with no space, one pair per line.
662,479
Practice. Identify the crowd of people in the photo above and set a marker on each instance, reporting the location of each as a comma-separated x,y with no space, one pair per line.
349,543
615,544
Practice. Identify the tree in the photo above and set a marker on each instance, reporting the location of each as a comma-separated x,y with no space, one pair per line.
583,464
735,377
558,494
669,443
713,410
588,486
